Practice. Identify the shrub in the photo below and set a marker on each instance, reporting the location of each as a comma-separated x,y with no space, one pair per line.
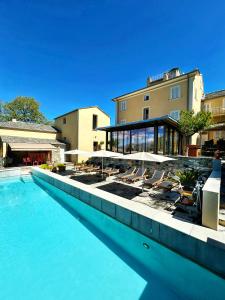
188,177
45,167
60,165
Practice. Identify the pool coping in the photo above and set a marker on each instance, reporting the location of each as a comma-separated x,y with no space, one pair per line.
200,244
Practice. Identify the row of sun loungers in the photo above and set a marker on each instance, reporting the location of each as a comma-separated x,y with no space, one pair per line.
132,175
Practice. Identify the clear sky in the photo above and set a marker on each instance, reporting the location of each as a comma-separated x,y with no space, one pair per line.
71,53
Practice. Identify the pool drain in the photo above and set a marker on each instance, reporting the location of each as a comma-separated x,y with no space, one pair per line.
146,246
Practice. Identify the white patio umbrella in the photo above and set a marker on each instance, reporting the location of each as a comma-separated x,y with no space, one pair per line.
78,152
146,156
105,153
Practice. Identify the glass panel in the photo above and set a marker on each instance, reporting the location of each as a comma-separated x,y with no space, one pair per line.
171,142
120,141
166,140
108,140
127,141
141,139
160,139
176,142
114,141
150,139
134,141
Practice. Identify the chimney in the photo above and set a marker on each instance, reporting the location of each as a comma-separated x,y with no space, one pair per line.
149,80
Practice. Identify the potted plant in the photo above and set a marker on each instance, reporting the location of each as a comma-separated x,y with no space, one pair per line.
61,168
191,123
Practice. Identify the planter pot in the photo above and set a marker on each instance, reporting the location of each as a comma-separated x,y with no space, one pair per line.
61,169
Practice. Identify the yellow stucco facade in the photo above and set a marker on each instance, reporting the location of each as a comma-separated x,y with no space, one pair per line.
77,129
215,103
160,100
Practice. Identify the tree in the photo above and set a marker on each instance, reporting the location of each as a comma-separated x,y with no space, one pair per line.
2,111
191,123
24,109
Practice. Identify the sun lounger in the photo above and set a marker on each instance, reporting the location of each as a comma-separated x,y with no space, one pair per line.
93,169
86,167
126,174
137,176
107,169
156,178
112,172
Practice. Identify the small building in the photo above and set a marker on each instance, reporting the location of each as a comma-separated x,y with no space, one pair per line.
31,142
78,128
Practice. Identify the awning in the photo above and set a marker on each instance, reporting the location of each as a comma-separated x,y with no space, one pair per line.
31,147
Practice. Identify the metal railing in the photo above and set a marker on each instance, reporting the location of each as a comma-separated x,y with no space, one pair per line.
216,111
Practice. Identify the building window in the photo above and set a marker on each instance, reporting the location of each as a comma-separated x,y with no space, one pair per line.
123,105
175,114
114,141
64,120
175,92
150,139
146,112
207,107
146,97
94,122
126,137
160,139
120,141
223,105
122,121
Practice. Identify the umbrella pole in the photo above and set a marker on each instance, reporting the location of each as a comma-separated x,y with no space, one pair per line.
143,165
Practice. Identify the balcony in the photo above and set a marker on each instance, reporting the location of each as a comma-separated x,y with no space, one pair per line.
216,111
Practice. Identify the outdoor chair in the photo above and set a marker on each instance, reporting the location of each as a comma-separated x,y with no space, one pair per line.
86,167
107,169
112,172
137,176
93,169
156,179
128,173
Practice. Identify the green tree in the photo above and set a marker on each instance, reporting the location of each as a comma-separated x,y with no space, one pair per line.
24,109
191,123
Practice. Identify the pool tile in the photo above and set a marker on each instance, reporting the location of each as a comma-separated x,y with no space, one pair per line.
96,202
123,215
85,196
109,208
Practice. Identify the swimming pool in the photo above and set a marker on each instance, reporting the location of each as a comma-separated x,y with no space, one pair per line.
53,246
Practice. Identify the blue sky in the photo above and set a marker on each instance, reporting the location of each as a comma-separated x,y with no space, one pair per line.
70,54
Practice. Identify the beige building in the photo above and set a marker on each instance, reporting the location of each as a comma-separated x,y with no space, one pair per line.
167,94
37,143
79,129
215,103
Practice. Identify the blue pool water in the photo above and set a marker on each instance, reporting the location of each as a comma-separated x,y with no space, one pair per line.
52,246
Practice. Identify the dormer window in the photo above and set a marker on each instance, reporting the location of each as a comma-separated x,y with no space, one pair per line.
146,97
